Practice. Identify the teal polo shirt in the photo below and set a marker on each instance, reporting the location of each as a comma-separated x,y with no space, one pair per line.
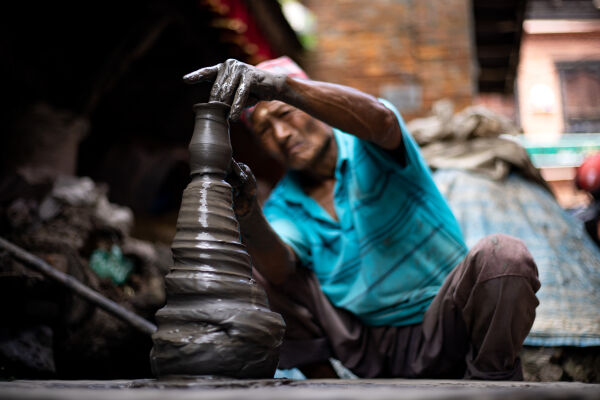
395,241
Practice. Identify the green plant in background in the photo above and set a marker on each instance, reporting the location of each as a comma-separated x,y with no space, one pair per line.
302,21
111,264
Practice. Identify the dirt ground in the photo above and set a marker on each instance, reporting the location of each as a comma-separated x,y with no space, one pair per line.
213,388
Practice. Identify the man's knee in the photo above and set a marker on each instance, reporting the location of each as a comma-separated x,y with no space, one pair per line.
501,255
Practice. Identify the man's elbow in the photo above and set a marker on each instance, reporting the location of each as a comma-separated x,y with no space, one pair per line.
391,136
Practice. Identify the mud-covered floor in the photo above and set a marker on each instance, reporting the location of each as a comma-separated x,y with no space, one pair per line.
214,388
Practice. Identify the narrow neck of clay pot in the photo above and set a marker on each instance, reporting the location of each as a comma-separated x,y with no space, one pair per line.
210,147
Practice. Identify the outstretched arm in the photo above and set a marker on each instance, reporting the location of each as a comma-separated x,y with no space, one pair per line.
342,107
345,108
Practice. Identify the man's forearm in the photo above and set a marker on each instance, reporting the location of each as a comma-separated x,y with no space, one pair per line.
345,108
270,255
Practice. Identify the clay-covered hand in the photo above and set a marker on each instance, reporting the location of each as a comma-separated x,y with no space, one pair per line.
243,183
238,84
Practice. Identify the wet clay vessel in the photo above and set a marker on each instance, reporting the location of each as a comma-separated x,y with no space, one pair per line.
217,320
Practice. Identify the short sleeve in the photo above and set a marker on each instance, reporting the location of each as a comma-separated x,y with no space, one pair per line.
287,228
413,156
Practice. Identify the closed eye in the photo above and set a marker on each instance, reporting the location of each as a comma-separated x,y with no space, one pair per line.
286,113
262,132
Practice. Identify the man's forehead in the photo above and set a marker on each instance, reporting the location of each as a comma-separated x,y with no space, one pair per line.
260,112
264,108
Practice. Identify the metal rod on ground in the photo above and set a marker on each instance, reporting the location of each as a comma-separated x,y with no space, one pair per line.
79,288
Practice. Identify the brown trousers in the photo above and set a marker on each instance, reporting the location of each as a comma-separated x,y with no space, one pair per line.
474,328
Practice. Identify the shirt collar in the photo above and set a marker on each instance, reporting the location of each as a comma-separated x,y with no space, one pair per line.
292,192
343,154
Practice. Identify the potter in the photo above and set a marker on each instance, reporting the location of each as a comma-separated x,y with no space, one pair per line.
356,247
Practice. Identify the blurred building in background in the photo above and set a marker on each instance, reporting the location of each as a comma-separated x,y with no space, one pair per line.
559,89
410,52
116,69
535,62
559,74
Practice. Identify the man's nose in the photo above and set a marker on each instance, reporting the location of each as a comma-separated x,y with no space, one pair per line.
282,131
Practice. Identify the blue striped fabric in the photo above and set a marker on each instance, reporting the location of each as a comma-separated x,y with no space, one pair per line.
568,260
396,239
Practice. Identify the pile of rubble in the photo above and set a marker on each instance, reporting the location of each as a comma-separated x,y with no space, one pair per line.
47,330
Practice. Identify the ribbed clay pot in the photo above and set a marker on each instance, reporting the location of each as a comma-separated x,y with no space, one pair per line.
217,320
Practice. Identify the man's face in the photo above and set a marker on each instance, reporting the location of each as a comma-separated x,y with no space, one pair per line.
290,135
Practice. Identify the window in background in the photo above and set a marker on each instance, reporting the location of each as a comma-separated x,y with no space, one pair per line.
580,89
